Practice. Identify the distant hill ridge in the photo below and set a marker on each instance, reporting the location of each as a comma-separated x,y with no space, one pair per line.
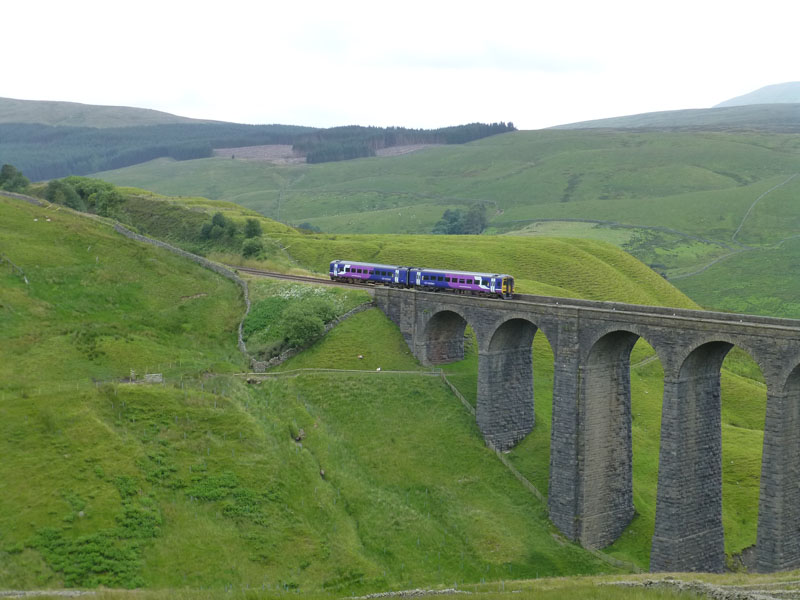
775,118
74,114
779,93
47,140
774,108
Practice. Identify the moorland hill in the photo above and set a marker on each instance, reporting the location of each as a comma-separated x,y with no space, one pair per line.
747,116
74,114
779,93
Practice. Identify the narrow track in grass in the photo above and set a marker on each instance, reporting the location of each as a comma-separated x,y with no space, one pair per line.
300,278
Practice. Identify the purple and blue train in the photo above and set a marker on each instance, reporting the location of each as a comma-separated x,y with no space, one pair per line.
435,280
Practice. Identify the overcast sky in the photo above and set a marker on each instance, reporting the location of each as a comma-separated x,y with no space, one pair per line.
413,63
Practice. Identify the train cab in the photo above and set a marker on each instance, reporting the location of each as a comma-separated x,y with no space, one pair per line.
507,286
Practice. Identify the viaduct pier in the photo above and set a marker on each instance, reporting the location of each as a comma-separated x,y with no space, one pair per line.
591,485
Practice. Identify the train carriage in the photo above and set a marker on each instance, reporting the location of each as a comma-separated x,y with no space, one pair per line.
364,272
436,280
462,282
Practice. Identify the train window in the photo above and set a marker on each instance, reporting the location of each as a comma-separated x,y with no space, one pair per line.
440,278
469,281
447,279
461,281
359,271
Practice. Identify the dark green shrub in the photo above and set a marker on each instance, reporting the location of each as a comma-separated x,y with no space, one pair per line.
301,327
252,228
252,247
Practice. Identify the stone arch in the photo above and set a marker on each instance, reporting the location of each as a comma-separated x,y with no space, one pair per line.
778,545
605,447
505,410
792,385
688,530
442,340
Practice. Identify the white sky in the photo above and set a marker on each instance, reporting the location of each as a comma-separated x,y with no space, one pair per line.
412,63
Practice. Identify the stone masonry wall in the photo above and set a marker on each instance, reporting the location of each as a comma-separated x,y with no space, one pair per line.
589,490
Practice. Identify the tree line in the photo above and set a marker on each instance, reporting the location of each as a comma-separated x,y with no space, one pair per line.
43,152
343,143
462,222
12,179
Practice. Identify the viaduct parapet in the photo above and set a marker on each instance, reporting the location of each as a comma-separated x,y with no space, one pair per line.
590,491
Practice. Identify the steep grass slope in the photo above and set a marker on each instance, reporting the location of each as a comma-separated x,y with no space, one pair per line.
204,481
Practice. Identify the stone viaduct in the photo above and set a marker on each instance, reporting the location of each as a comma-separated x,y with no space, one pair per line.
590,492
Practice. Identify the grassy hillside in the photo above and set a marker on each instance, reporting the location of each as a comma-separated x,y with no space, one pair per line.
199,482
206,481
677,200
521,176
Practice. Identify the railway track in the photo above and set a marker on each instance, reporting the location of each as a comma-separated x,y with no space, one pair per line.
319,281
299,278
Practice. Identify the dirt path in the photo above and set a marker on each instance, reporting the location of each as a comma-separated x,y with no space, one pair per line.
756,201
735,233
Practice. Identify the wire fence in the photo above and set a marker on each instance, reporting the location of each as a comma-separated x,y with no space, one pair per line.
14,268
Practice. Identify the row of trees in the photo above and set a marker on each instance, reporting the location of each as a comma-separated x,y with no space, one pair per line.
223,230
343,143
84,194
458,222
12,179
